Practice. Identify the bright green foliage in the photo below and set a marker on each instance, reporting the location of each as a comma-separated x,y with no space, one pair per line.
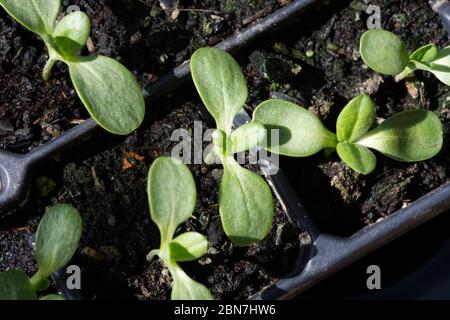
172,195
57,239
300,132
357,157
108,90
408,136
220,83
386,53
245,201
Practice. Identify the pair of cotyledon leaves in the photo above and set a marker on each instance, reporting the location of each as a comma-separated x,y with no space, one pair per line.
408,136
57,239
108,90
386,53
172,195
245,201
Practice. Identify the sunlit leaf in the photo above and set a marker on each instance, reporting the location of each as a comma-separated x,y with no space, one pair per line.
57,238
246,204
425,53
185,288
384,52
110,93
72,32
357,157
247,137
220,83
188,246
171,193
408,136
37,15
355,119
293,130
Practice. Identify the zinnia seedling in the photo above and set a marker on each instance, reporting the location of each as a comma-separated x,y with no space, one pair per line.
245,200
172,195
408,136
385,52
57,240
108,90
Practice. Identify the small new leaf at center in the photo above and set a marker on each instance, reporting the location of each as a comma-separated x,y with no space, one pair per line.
72,32
355,119
188,246
357,157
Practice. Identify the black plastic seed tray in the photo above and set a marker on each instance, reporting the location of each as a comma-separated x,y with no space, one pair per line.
320,254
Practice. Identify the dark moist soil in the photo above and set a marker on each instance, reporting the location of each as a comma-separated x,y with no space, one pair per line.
340,200
106,177
118,232
150,37
109,189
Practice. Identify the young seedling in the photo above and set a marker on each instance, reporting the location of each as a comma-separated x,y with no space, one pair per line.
408,136
107,89
172,195
385,52
245,200
57,239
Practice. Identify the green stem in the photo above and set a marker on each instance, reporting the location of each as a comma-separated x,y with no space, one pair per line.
48,69
405,73
331,140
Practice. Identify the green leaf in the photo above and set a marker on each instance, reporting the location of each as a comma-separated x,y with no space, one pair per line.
357,157
301,134
355,119
72,32
415,65
14,285
57,238
245,204
172,195
188,246
384,52
53,297
38,16
109,92
408,136
425,53
247,137
185,288
440,66
220,83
